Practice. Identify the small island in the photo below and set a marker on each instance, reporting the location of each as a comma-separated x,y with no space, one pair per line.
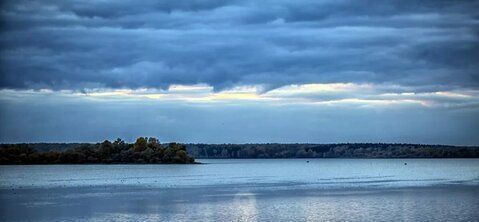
144,151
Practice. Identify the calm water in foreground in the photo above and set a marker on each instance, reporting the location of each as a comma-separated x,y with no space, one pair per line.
245,190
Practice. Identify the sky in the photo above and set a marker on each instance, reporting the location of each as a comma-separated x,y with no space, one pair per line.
226,71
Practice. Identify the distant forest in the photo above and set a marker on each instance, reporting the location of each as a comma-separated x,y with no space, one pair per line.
150,150
346,150
144,150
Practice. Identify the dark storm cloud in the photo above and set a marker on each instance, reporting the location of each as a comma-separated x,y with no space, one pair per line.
426,45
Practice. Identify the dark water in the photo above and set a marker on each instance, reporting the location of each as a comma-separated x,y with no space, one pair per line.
245,190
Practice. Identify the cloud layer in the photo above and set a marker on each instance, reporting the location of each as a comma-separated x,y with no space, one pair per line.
333,95
428,45
230,71
49,116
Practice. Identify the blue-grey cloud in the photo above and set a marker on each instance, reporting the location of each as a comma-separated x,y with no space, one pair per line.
425,45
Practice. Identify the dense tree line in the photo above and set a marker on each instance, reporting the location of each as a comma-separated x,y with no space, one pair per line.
354,150
144,150
149,150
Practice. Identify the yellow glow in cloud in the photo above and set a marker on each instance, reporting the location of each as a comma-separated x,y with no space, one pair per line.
205,94
343,94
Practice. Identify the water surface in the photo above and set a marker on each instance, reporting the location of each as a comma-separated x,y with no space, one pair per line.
245,190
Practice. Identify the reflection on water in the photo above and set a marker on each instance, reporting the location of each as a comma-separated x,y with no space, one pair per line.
245,205
244,190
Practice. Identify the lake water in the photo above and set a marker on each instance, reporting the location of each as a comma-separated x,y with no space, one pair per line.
245,190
